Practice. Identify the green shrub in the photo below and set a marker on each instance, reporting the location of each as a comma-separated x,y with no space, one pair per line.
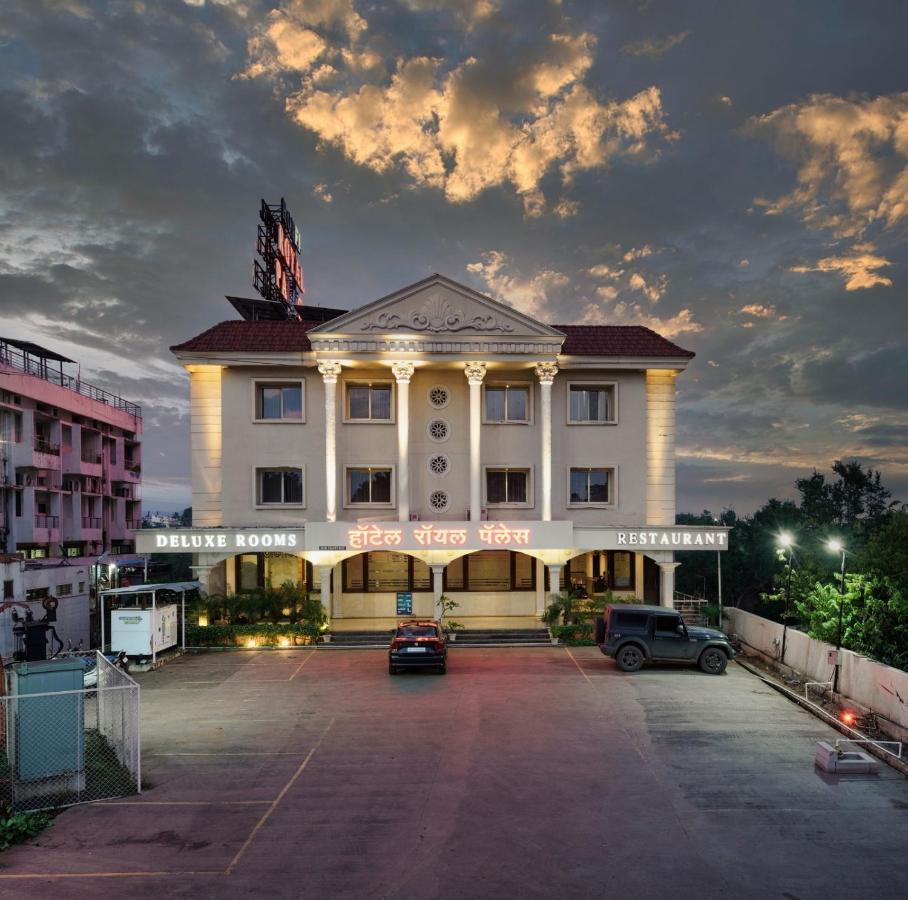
575,635
261,634
17,827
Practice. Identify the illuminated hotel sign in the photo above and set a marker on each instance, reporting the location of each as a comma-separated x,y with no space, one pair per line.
672,538
319,538
492,534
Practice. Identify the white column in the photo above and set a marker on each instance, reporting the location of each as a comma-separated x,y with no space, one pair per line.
660,447
438,574
324,576
545,372
329,372
667,583
555,579
403,372
475,372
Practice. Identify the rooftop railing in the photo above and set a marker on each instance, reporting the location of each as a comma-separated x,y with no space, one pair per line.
13,358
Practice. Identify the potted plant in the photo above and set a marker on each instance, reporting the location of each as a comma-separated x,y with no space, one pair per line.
447,605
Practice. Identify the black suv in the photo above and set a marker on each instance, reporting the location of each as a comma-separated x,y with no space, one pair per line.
632,634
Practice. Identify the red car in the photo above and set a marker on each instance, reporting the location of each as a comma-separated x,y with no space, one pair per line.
418,644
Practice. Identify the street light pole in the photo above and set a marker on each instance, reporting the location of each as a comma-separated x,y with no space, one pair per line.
836,546
787,607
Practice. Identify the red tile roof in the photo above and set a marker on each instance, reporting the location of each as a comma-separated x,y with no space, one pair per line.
290,337
618,340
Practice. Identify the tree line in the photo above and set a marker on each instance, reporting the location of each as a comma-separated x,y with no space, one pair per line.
853,507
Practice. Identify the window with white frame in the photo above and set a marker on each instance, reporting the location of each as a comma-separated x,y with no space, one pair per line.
590,486
279,487
591,404
368,402
507,403
369,485
507,487
279,401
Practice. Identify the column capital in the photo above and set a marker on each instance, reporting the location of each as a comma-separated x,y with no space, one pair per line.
403,371
475,372
329,369
546,372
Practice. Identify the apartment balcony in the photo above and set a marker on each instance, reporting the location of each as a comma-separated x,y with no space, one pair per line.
45,455
133,524
91,523
46,529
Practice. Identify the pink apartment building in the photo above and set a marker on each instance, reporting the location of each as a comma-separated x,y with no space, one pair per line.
70,475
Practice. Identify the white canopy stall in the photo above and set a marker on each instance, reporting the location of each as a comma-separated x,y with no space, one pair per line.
135,591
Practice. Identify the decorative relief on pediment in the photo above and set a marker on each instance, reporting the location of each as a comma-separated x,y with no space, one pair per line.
437,315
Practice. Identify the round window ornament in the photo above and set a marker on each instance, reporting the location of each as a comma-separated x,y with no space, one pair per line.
438,501
438,430
439,465
439,396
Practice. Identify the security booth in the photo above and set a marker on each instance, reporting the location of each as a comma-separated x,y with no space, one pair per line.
146,619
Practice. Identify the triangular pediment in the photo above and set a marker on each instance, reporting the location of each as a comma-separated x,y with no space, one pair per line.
437,306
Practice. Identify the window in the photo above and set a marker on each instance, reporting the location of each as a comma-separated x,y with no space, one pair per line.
249,573
7,590
630,621
279,487
667,625
64,590
113,453
591,404
622,570
37,593
590,486
368,402
368,486
279,401
383,571
508,487
81,587
507,404
491,570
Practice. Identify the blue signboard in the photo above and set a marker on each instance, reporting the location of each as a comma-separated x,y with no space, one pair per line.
404,603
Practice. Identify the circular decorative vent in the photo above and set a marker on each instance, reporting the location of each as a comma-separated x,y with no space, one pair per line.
438,465
438,430
439,396
438,500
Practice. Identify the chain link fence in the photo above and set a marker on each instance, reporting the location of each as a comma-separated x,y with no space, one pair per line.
66,747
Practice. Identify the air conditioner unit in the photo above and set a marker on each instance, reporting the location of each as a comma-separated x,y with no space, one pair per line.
414,517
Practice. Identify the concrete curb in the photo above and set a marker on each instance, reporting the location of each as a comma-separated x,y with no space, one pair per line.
830,720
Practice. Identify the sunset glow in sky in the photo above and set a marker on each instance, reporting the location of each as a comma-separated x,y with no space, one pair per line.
733,175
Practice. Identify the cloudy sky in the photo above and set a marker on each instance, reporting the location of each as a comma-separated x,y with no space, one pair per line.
732,174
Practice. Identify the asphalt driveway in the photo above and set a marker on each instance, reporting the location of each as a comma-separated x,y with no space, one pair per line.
520,773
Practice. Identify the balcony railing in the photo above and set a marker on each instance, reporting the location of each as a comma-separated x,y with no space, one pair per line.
47,521
94,458
133,524
44,446
132,465
90,522
14,358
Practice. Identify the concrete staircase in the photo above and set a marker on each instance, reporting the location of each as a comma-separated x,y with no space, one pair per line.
502,637
491,637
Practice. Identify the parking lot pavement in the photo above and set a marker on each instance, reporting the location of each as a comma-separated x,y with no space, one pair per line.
522,772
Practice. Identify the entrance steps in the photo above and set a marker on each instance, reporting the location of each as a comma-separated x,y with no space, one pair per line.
470,637
499,637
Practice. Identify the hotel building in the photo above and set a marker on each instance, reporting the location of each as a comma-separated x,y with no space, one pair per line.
70,473
433,441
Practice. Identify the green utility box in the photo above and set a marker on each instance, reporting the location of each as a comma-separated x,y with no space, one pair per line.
47,727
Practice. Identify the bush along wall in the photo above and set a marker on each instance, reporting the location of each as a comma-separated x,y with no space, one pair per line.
261,634
580,635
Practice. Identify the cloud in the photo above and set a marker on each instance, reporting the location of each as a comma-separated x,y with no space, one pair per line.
530,294
623,277
463,125
621,313
851,157
653,291
653,47
857,267
759,311
321,191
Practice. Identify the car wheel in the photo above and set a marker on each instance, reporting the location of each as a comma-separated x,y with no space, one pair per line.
630,658
713,661
442,669
392,670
